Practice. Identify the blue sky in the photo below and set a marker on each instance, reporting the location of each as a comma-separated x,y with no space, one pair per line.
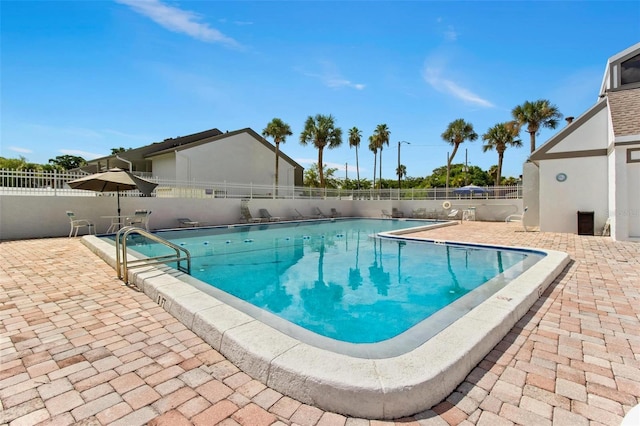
82,77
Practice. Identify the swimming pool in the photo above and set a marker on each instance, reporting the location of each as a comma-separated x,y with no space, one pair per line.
360,385
342,286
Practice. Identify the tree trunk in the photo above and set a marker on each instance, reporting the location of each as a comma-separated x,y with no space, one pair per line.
380,174
532,136
357,168
499,171
277,155
449,160
375,157
320,168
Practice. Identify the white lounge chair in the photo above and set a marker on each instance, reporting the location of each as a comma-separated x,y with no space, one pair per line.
140,218
385,213
185,222
79,223
518,218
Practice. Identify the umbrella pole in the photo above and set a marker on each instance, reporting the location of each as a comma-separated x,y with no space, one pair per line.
118,193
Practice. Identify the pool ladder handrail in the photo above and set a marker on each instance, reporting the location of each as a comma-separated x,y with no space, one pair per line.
123,264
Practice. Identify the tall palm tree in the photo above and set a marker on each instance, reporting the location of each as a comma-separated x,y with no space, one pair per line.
499,137
401,171
381,137
278,130
457,132
322,132
354,141
536,114
373,147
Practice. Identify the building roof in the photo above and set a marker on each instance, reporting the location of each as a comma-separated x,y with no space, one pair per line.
624,107
223,136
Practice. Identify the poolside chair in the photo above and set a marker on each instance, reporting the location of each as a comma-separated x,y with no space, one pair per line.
519,218
318,213
420,213
298,216
140,218
335,213
79,223
385,213
453,214
396,213
245,215
185,222
266,216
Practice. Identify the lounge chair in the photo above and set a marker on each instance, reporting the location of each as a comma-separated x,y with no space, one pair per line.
385,213
245,215
299,216
396,213
420,213
318,213
335,213
453,214
140,218
185,222
79,223
266,216
520,218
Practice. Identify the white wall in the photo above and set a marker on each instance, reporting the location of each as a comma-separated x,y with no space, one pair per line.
165,166
26,216
584,190
531,193
592,134
239,158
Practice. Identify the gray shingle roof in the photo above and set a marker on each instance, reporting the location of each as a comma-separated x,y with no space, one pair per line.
624,107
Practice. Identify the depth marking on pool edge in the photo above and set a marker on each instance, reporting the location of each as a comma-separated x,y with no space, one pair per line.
161,300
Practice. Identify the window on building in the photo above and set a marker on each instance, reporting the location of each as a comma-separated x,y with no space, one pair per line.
630,71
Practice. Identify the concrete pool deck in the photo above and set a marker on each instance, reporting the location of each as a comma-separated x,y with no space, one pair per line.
78,346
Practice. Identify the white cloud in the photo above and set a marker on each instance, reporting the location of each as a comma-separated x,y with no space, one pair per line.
84,154
20,150
433,76
332,78
179,21
450,34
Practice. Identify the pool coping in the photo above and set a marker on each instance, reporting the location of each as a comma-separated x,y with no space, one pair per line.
384,388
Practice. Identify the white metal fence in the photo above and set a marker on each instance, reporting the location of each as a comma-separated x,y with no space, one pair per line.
52,183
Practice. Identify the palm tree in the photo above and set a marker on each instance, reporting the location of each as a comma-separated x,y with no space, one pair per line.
501,136
278,130
321,130
536,114
381,137
401,172
457,132
354,141
373,147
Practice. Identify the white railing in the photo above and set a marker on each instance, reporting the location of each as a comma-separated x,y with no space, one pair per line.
52,183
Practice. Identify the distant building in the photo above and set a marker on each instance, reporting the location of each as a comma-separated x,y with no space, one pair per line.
593,163
241,156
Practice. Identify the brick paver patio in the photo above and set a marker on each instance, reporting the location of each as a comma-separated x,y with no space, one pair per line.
77,347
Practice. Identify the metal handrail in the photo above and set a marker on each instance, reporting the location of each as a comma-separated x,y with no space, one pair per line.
123,264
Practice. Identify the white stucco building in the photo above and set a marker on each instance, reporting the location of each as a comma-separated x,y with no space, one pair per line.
593,164
241,156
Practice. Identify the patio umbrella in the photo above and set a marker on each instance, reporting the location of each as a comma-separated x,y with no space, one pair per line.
113,180
470,190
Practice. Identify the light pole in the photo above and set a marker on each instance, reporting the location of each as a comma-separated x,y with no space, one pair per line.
398,170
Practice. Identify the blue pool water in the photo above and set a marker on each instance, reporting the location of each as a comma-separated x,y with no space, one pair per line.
336,278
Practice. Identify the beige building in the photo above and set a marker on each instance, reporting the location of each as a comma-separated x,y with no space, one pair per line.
586,178
241,157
